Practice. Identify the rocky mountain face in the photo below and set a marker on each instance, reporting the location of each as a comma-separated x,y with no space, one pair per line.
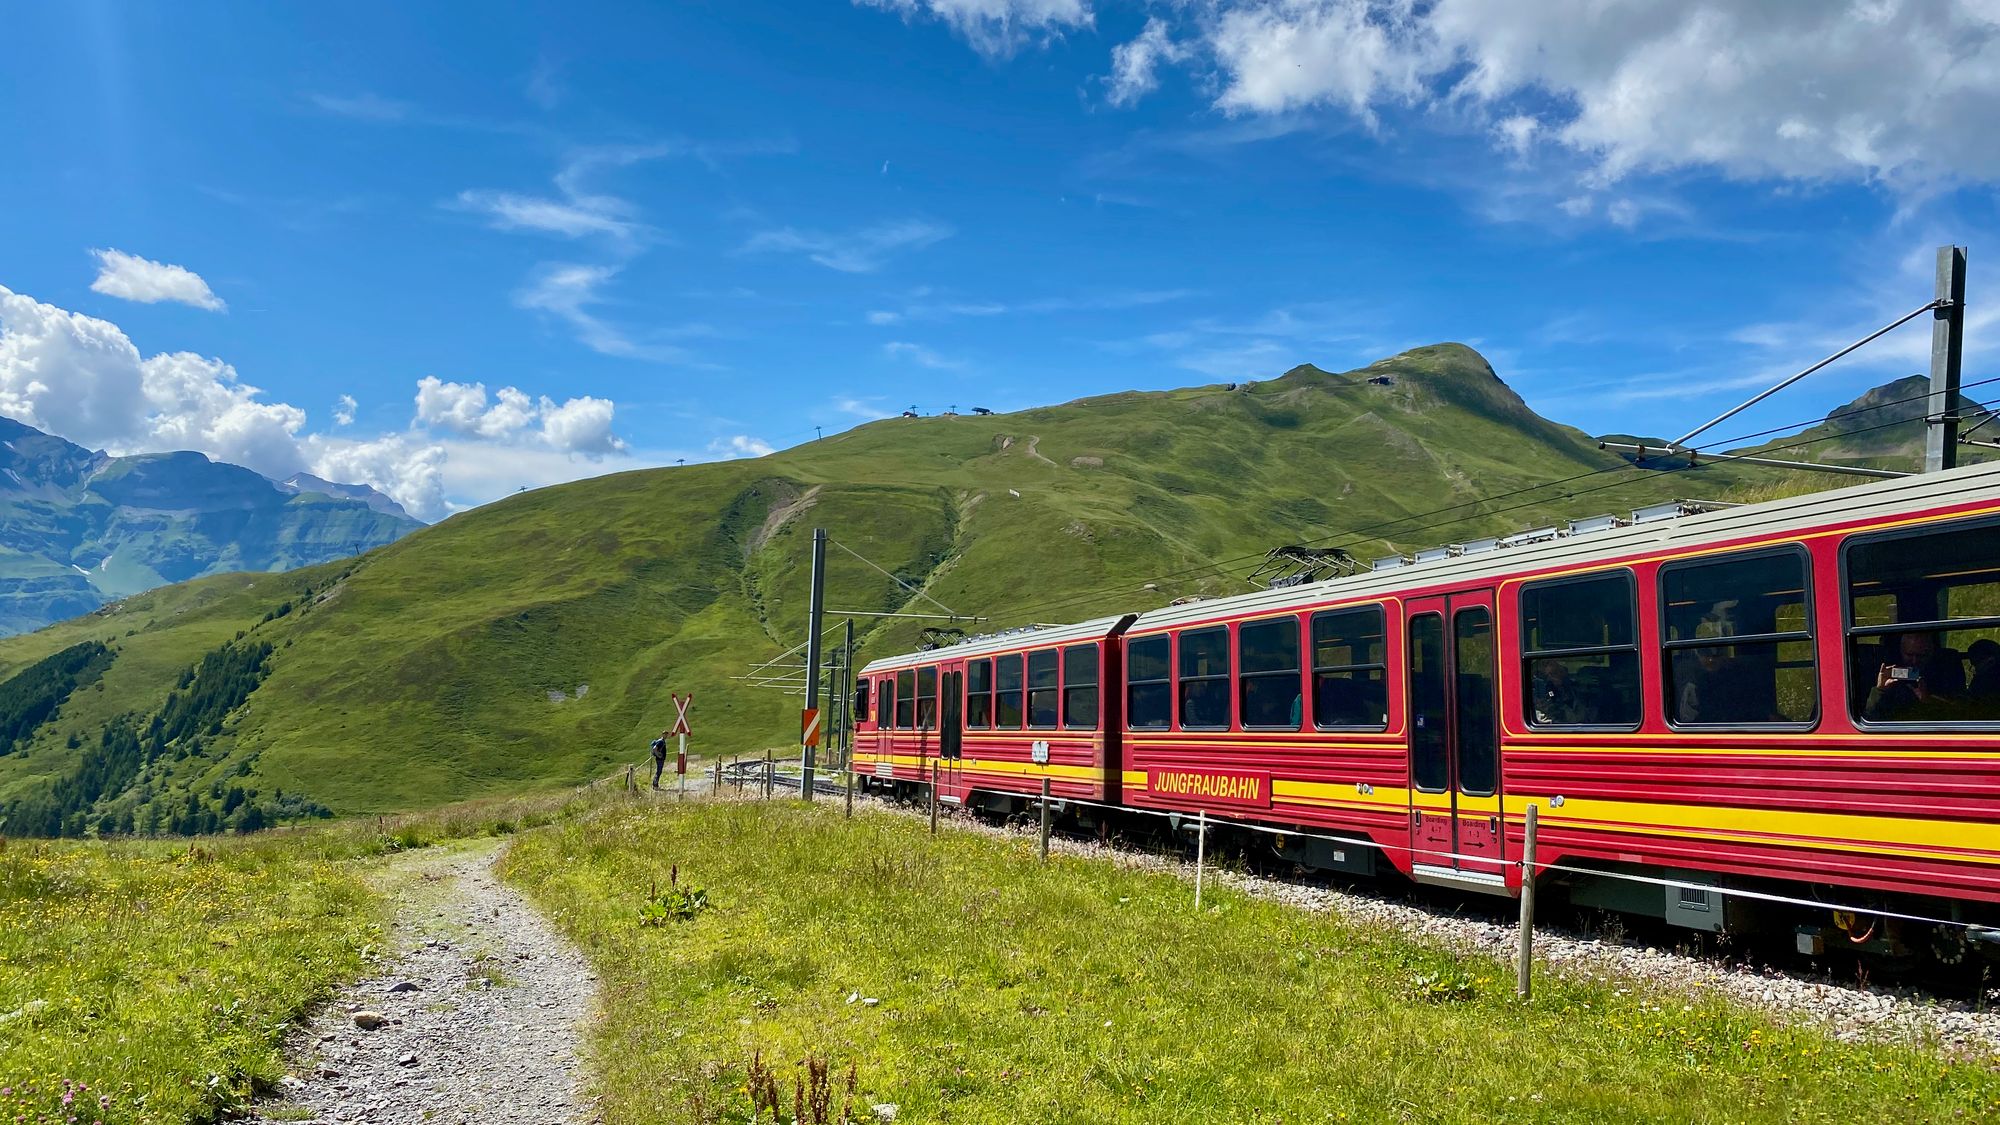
79,529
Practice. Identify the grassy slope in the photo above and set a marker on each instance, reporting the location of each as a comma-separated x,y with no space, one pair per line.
163,978
425,675
1082,992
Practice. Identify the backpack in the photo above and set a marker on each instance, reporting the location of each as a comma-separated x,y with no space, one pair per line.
660,747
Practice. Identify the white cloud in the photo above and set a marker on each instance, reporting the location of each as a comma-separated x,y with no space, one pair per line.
741,445
860,251
921,356
1879,91
133,278
82,378
995,27
408,469
883,316
577,425
1288,54
580,425
1133,64
69,374
197,403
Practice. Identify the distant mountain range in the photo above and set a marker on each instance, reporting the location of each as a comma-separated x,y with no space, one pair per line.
79,529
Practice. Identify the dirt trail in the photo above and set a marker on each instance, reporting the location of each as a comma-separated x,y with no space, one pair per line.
481,1002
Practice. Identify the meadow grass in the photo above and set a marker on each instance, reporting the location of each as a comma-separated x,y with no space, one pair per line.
162,977
1084,992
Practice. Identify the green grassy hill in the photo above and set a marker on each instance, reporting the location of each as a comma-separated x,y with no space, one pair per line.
535,641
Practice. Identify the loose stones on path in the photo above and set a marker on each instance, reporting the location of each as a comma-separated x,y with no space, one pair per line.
478,1024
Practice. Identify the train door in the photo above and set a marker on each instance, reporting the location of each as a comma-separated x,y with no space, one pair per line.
951,731
1454,740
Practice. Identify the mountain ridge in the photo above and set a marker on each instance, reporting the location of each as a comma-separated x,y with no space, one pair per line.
80,528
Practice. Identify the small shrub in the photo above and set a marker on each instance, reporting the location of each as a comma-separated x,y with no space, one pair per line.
1447,986
678,904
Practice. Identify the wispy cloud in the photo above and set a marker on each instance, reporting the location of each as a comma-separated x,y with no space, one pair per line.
362,107
570,291
860,251
868,409
921,356
928,309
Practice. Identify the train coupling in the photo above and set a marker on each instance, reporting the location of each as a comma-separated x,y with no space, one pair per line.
1988,935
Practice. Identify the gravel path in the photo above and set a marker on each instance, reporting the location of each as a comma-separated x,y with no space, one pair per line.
475,1019
1847,1011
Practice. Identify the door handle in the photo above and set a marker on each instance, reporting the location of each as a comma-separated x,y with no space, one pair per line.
1493,822
1416,818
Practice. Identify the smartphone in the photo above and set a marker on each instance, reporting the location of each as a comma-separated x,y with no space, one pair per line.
1905,673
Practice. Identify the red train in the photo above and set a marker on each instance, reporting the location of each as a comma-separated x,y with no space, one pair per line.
1799,698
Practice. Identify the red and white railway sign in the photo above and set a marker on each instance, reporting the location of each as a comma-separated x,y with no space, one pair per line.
681,705
809,726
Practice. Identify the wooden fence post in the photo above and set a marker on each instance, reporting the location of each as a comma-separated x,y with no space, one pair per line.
1200,852
1525,967
1045,820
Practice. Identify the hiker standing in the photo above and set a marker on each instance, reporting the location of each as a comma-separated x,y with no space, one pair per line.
659,758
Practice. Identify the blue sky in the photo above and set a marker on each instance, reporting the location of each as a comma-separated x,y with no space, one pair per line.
534,242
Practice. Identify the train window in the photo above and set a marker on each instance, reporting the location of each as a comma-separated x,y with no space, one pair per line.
1267,658
861,700
906,699
1350,661
1007,692
979,693
1204,679
1079,704
1580,652
1148,691
927,712
1738,641
1044,692
1923,625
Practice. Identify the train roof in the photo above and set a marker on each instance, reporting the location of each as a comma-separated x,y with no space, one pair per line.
1011,640
1649,531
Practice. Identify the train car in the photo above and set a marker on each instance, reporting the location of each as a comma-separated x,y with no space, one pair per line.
986,720
1799,698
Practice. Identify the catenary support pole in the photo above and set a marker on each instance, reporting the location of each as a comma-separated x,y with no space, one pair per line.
1947,351
1045,820
847,693
770,774
815,610
1200,852
1525,964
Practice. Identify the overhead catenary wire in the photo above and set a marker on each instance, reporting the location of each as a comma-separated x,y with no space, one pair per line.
898,581
1216,566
